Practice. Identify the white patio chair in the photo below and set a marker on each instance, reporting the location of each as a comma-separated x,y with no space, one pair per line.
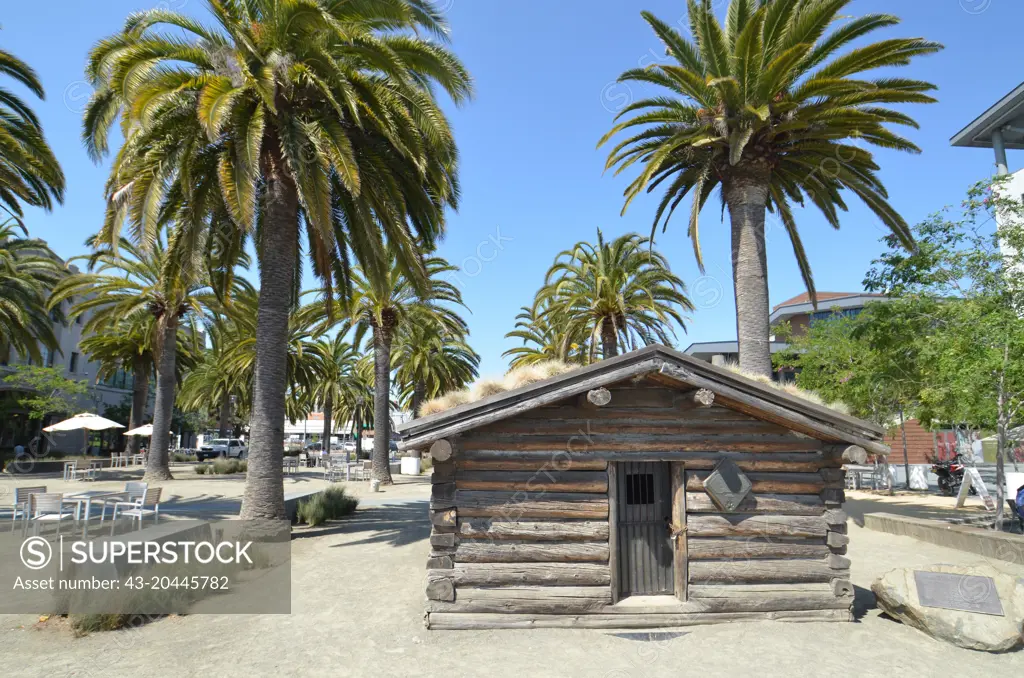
367,470
69,470
290,464
134,489
149,503
48,507
22,501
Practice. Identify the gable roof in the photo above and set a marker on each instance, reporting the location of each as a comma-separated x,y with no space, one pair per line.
731,389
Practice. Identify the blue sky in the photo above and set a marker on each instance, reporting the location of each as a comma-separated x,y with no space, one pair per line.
532,178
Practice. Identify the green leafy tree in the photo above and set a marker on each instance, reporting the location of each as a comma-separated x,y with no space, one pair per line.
29,171
617,293
966,282
543,339
775,109
140,285
429,361
335,375
28,272
43,391
126,345
381,305
310,117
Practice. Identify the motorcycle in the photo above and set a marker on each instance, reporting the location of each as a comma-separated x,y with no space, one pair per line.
951,476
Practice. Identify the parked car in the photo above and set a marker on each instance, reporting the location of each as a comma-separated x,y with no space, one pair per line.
223,447
314,447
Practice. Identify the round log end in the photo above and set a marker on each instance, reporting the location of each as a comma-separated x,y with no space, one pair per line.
704,397
441,450
599,397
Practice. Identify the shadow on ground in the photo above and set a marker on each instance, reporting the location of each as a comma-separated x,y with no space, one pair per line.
863,601
906,505
396,525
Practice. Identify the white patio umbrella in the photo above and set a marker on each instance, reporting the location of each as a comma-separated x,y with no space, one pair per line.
91,422
144,430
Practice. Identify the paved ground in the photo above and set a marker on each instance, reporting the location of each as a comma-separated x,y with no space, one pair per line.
357,611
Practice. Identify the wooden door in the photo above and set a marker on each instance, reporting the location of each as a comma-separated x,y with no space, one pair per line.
644,515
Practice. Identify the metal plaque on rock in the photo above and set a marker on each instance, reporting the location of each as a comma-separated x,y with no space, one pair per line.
727,486
958,592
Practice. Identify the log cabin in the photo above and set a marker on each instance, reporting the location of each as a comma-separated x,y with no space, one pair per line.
647,490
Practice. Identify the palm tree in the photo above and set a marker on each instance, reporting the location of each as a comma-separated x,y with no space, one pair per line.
614,292
382,304
28,271
29,172
139,285
311,116
542,339
430,361
770,110
335,374
128,344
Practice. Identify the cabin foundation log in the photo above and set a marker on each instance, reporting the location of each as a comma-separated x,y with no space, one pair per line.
447,621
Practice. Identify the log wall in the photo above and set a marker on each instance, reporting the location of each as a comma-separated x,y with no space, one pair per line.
523,532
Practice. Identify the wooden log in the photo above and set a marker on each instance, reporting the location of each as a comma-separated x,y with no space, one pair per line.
440,563
712,549
724,600
443,473
544,574
835,517
836,540
833,497
745,525
517,505
704,397
587,422
531,552
530,530
717,591
640,441
442,496
759,571
838,562
457,621
769,483
619,410
441,450
564,460
528,599
847,454
599,397
559,465
440,588
534,481
842,587
833,475
445,518
794,504
448,540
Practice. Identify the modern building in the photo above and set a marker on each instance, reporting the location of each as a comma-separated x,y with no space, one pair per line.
799,312
113,391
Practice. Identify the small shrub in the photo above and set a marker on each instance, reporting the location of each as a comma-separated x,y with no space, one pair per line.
181,456
224,466
202,469
426,463
330,504
83,624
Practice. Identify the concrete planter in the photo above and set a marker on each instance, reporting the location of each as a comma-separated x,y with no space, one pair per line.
411,466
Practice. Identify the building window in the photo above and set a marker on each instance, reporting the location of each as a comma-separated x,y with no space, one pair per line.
73,366
51,357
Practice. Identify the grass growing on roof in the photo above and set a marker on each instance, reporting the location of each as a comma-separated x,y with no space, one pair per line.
484,388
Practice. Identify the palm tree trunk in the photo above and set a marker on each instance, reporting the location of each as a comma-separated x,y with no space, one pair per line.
328,413
419,394
381,404
140,396
609,343
747,198
264,484
224,416
157,467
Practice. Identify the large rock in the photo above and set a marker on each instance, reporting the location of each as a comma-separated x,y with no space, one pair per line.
897,596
